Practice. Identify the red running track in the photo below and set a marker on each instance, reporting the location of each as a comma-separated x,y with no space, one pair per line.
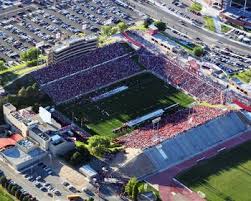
168,186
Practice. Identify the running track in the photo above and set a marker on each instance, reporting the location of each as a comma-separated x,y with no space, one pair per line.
168,186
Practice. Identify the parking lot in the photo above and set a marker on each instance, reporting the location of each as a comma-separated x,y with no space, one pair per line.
34,23
44,179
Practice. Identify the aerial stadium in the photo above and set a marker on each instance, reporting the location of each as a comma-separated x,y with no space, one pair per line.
145,101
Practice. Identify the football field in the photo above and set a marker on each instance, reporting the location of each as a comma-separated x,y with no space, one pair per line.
227,177
146,93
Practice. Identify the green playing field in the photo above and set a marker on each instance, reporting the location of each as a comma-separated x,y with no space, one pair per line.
145,94
227,177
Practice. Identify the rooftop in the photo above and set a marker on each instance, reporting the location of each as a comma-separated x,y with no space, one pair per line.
67,43
17,156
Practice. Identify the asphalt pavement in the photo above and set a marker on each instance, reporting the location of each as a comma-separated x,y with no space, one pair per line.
207,37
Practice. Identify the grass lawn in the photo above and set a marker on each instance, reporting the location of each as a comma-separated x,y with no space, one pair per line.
227,177
146,93
195,7
5,196
209,23
225,28
244,76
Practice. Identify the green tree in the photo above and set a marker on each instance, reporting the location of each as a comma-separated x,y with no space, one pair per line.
160,25
9,187
135,191
198,51
196,7
3,180
130,186
122,26
18,194
99,145
2,65
114,30
26,198
147,22
22,92
13,189
31,54
106,30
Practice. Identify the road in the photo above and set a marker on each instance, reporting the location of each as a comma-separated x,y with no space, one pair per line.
209,38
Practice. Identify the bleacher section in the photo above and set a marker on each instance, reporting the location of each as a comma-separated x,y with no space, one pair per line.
190,143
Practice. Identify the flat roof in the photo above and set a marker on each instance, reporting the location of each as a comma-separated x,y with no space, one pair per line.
16,156
67,43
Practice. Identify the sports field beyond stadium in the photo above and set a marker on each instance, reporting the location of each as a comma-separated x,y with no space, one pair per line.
227,177
145,94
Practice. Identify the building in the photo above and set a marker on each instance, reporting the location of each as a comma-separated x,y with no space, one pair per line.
24,154
72,48
40,129
20,120
166,43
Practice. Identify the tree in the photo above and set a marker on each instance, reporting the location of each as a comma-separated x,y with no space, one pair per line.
135,191
2,65
147,22
198,51
160,25
9,187
21,197
13,189
99,145
26,198
114,30
3,180
22,92
196,7
31,54
106,30
18,194
122,26
130,186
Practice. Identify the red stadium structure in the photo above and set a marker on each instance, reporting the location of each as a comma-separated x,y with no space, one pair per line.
242,105
10,141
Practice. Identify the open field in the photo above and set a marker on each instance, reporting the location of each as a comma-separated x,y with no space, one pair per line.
209,23
5,196
244,76
146,94
225,177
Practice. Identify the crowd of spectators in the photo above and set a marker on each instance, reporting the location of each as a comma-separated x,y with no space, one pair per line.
170,126
92,79
74,65
202,89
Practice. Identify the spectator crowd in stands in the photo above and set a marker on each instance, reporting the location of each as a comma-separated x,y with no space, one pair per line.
202,89
66,68
84,82
170,126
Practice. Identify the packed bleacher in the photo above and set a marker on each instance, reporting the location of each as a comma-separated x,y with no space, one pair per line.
180,77
170,126
92,79
184,146
86,61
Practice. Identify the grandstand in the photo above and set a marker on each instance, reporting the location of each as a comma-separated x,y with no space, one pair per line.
186,145
199,87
